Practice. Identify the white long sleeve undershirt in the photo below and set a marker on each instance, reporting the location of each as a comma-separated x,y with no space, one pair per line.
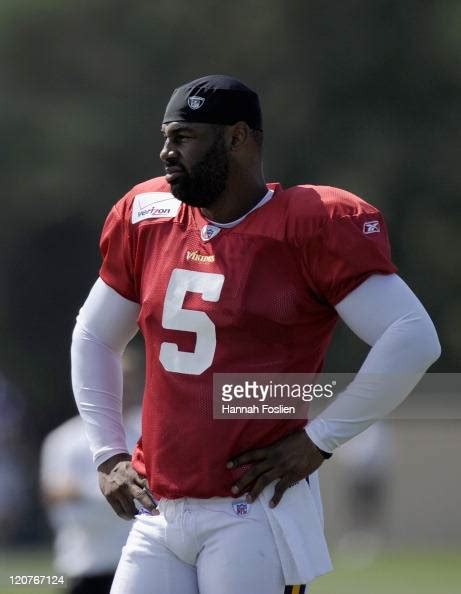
382,311
105,325
385,313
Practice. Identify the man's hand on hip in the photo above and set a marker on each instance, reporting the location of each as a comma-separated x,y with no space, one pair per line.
290,460
121,485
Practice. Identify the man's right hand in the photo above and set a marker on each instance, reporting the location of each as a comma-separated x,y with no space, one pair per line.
121,485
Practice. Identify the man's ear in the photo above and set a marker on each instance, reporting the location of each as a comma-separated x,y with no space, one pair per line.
239,134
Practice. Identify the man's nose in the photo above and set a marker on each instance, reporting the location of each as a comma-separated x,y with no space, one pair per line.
167,153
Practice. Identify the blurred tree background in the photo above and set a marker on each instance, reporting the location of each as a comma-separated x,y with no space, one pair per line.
361,95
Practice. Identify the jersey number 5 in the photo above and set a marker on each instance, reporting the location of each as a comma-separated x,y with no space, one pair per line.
209,285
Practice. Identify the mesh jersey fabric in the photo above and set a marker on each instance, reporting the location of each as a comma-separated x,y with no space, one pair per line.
256,298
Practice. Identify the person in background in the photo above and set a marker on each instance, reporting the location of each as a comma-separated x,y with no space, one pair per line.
366,463
88,536
14,485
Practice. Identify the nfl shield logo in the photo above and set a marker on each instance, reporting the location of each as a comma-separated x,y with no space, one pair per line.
241,508
209,231
195,102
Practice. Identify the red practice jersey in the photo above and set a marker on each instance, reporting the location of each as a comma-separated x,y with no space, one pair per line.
255,298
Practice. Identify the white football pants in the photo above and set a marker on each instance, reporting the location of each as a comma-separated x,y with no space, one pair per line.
201,546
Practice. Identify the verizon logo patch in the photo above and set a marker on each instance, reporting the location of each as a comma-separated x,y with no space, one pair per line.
371,227
154,205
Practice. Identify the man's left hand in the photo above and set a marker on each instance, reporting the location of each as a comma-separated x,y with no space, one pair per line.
290,459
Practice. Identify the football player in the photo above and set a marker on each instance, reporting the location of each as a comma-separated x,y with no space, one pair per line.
223,272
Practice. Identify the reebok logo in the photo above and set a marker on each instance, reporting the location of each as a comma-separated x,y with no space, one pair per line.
371,227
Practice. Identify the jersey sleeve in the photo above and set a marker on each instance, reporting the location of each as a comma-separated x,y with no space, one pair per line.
117,269
347,251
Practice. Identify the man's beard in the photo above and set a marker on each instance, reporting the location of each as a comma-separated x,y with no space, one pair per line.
207,179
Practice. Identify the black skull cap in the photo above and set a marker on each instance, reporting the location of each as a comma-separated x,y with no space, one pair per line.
214,99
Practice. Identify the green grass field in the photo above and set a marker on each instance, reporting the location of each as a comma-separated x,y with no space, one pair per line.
19,562
398,573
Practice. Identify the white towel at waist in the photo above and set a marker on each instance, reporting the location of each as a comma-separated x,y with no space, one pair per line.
297,526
